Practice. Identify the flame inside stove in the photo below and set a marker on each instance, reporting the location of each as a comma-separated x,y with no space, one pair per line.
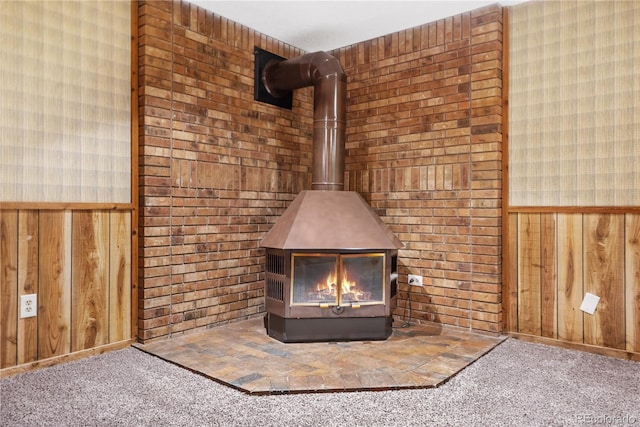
328,286
348,288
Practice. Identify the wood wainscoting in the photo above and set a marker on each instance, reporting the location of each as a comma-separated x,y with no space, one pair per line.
78,263
553,258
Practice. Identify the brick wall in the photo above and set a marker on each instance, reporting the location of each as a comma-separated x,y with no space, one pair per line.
217,168
424,140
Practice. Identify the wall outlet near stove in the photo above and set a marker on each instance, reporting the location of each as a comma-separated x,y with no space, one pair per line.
415,280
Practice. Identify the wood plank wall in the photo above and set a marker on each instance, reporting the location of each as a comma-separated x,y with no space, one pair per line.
553,259
78,263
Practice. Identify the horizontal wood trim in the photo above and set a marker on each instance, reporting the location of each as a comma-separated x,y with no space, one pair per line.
574,209
604,351
52,361
54,206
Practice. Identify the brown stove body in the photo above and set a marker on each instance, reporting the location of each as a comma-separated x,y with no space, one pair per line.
330,260
329,296
330,268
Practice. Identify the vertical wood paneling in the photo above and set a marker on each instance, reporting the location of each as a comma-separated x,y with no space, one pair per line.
549,288
8,287
78,263
570,281
90,289
529,274
28,282
510,289
120,276
54,297
132,291
632,281
595,252
604,277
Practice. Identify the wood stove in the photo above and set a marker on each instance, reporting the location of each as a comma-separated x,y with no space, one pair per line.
329,296
330,270
330,260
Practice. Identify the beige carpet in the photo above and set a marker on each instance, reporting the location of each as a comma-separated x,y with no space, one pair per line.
516,384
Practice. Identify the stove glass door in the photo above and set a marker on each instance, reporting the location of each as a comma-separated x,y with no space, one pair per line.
314,279
362,279
340,279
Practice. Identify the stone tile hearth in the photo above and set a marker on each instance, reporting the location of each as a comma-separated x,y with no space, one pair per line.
243,356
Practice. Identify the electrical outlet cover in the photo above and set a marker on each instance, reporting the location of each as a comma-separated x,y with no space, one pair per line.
589,303
28,306
415,280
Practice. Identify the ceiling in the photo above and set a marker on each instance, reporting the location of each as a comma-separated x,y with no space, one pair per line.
327,25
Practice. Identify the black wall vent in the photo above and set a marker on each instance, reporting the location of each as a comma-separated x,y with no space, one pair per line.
260,93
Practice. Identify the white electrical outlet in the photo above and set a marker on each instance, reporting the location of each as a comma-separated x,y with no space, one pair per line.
415,280
28,306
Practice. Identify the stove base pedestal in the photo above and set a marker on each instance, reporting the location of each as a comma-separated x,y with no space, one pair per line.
290,330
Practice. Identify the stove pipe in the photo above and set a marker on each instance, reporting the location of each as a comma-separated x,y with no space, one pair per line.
325,74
